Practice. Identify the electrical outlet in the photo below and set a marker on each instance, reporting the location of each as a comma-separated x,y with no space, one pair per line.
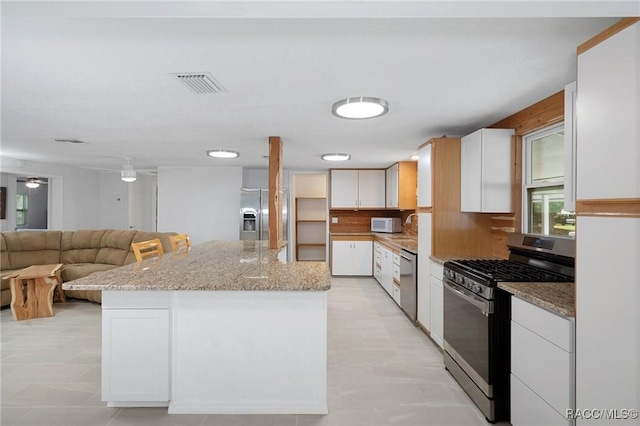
334,220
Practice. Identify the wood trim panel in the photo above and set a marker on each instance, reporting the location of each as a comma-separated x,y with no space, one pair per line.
408,185
617,207
455,233
424,210
609,32
276,235
539,115
424,144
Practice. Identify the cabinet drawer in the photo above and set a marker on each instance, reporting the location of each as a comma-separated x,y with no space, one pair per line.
544,367
554,328
437,270
396,294
396,272
527,409
396,259
376,247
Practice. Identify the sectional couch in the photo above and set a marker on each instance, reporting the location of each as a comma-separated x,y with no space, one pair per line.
80,252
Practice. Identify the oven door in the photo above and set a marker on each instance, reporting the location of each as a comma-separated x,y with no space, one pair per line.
468,320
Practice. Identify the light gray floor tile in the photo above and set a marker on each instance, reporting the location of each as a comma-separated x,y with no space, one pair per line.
382,371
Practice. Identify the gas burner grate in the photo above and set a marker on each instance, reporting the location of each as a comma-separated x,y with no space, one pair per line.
506,270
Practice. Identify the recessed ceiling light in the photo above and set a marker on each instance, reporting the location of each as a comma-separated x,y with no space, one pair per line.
336,157
360,107
415,157
222,153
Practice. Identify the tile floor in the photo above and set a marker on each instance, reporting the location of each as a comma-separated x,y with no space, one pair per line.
382,371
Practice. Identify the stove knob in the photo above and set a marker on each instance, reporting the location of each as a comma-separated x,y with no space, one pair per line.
477,288
463,280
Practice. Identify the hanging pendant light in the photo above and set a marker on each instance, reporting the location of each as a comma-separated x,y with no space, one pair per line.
128,174
32,183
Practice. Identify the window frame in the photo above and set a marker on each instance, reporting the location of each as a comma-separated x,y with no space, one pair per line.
24,209
527,183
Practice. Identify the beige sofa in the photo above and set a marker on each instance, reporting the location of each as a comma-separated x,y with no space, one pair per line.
80,252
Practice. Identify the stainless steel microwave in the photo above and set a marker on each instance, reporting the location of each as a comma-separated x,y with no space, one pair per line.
386,224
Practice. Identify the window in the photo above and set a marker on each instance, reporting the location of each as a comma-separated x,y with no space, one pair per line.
22,206
543,168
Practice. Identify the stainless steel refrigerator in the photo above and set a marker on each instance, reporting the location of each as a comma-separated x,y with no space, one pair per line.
254,214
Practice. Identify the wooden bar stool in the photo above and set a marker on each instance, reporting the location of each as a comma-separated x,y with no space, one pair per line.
146,249
180,241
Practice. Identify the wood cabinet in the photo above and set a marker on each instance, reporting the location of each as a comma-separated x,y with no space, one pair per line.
351,256
358,189
402,186
311,228
486,175
140,376
607,248
436,303
542,365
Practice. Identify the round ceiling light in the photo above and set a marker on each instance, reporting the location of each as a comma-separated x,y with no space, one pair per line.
360,107
222,153
336,157
32,183
415,157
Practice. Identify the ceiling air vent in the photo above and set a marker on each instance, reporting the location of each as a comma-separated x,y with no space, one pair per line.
69,141
200,82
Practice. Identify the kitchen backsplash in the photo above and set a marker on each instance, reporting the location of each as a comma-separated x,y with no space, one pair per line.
360,220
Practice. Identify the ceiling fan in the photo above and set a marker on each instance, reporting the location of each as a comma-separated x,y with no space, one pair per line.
33,182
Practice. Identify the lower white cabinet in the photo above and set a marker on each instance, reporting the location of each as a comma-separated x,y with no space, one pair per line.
386,273
377,262
141,375
352,258
424,268
542,365
436,302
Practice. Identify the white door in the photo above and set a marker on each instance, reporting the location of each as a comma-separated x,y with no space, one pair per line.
134,207
392,186
372,188
344,189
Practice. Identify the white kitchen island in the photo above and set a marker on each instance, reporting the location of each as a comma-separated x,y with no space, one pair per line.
226,328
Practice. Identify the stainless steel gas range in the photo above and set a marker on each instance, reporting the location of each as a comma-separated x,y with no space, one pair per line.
477,314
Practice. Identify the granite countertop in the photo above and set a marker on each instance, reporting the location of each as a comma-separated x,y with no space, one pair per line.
398,241
559,298
214,265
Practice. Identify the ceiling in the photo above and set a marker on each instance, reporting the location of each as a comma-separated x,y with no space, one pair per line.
100,72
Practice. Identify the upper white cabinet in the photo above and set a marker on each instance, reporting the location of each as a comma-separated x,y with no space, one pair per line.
608,124
486,171
402,185
354,189
424,176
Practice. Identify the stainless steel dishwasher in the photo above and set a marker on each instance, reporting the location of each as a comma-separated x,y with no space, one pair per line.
409,283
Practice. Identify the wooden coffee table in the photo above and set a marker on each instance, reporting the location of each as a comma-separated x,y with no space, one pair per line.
32,291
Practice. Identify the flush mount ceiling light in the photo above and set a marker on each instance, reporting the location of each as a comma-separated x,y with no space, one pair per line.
336,157
360,107
32,183
222,153
415,157
128,174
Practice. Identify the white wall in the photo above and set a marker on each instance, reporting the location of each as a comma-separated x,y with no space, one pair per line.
259,178
202,202
74,201
113,201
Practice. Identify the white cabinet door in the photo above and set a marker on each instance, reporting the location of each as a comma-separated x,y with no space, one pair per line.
377,262
392,186
424,176
142,374
351,258
437,310
570,146
528,409
486,171
608,127
424,268
371,188
344,189
387,270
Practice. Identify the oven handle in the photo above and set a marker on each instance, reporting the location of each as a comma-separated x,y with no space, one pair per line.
485,306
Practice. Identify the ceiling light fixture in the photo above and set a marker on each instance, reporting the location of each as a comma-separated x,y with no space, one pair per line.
415,157
360,107
336,157
128,174
222,153
32,183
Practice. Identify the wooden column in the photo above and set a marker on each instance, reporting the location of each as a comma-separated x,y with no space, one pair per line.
275,193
